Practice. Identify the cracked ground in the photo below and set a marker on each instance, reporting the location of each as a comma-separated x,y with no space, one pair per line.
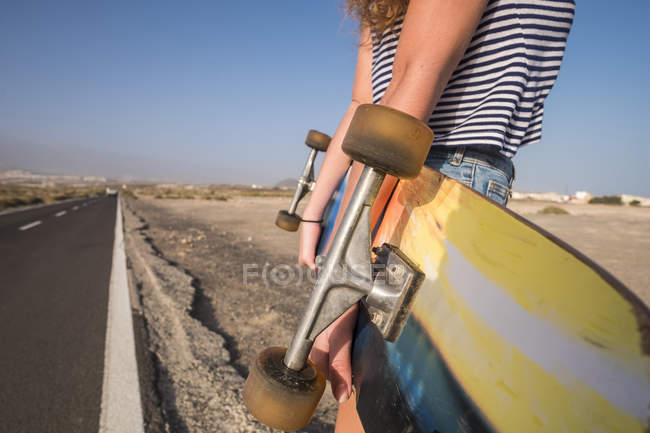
214,288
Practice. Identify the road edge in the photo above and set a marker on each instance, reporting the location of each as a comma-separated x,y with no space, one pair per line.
121,409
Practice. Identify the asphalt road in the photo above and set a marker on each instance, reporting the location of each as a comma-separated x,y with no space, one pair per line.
55,267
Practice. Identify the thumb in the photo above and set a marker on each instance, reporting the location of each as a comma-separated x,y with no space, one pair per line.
340,345
320,352
340,372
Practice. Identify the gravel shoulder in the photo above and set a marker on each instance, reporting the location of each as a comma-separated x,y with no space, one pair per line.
204,322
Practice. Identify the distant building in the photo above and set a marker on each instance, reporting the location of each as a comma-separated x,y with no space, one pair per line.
23,177
627,199
94,179
540,196
581,197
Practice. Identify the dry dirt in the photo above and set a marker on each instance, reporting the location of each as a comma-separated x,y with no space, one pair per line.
205,321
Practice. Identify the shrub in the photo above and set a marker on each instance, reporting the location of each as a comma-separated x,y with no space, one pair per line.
553,210
265,193
635,203
607,199
127,193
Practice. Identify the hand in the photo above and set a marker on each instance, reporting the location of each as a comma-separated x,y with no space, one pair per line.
332,353
331,350
309,236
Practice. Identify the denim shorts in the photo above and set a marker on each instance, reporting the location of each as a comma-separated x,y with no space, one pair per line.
485,171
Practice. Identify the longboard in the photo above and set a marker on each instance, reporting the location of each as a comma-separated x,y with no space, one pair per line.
513,330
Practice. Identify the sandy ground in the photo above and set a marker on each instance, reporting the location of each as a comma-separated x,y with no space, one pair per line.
205,321
616,237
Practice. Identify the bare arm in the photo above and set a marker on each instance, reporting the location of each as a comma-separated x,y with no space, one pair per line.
336,162
434,37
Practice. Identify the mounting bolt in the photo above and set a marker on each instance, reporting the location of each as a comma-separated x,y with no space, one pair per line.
397,272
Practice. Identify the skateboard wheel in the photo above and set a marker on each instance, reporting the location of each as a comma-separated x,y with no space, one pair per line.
317,140
279,397
388,140
287,221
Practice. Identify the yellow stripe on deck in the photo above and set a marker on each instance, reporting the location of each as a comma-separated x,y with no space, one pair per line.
512,391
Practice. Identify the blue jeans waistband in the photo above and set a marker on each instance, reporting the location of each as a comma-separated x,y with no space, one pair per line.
486,156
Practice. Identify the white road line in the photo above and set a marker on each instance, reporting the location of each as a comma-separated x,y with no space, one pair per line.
30,225
121,408
75,208
60,214
36,206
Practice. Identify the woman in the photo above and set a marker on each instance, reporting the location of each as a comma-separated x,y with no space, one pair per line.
477,72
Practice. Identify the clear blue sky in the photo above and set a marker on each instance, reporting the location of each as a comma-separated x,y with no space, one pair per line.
211,91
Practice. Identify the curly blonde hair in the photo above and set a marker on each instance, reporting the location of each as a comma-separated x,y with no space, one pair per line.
378,15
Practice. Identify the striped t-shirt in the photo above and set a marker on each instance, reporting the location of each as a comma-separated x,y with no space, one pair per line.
496,95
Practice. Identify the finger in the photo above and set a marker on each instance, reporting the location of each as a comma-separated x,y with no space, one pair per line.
340,346
340,370
319,354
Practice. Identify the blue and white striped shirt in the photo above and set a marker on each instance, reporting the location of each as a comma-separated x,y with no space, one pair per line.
496,95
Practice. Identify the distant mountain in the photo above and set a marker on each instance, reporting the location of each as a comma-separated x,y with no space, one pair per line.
288,183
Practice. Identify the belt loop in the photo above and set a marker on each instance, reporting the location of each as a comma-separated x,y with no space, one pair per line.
458,156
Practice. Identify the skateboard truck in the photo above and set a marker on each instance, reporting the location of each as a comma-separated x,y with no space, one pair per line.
389,302
287,219
346,276
396,279
283,389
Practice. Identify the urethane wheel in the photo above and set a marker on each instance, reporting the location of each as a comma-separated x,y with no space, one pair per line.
279,397
317,140
287,221
389,140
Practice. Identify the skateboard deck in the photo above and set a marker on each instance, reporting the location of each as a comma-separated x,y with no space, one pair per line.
512,330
